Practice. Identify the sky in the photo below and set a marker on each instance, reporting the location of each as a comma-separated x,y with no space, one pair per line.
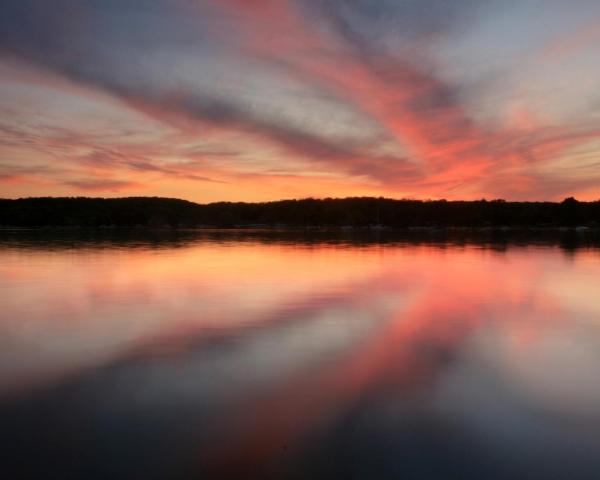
256,100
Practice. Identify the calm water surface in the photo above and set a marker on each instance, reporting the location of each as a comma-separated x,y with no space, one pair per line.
233,356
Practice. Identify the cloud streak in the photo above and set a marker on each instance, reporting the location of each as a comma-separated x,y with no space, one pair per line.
99,185
428,142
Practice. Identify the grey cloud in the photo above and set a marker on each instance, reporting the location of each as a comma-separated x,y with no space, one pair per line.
100,184
58,38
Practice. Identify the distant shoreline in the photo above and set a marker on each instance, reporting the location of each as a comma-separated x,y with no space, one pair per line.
351,214
309,228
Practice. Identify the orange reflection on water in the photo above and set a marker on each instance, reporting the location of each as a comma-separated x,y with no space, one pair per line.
65,309
309,331
460,292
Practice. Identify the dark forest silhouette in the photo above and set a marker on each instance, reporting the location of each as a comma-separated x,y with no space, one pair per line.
348,212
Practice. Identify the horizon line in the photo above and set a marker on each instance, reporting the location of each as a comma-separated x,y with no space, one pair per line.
300,199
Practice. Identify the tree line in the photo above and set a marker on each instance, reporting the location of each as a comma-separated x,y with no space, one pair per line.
158,212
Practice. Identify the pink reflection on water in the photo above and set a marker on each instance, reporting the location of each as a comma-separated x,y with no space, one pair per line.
73,309
64,313
460,292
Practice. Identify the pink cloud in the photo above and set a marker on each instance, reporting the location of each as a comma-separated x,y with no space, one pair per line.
447,153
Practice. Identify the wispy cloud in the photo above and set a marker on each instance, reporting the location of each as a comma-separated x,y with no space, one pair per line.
98,185
373,59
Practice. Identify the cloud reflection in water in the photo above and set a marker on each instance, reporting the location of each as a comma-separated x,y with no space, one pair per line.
251,359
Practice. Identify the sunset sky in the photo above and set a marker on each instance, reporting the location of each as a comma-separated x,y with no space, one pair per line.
266,99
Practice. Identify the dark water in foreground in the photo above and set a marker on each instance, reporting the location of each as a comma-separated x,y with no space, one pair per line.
248,356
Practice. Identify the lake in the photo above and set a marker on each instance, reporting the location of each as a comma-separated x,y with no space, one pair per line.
260,355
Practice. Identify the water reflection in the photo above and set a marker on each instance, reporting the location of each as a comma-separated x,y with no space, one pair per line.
249,356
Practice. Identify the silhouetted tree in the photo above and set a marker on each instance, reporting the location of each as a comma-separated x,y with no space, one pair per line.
156,212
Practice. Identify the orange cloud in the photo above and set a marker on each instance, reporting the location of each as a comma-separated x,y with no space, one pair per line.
418,109
447,153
